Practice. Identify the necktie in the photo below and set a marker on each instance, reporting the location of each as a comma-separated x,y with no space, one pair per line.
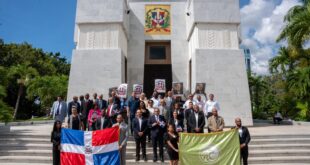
57,111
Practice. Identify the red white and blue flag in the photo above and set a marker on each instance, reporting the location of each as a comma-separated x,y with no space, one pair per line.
90,147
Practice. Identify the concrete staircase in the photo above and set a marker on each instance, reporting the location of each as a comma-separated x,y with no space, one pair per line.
21,148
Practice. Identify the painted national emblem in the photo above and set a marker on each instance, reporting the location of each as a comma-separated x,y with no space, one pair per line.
157,20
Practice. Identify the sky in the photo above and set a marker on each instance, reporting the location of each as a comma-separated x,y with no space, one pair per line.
49,24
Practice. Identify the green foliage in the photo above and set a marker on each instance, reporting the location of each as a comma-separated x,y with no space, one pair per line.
6,112
21,65
292,65
47,88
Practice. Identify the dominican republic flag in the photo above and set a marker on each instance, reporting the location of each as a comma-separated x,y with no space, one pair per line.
90,147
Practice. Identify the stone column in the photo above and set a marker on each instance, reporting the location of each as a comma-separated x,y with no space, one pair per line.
213,35
101,33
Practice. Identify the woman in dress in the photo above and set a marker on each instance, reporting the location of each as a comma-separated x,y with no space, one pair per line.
74,121
93,116
146,115
172,144
55,139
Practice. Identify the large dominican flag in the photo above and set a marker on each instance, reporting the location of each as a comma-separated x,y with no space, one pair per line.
89,147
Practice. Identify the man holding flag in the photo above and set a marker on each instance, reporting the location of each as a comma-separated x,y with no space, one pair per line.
244,138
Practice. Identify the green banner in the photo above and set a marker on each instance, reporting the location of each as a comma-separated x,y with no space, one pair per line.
213,148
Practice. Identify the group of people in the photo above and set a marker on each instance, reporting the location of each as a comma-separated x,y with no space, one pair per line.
159,120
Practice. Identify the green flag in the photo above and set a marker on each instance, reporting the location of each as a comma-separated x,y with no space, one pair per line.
213,148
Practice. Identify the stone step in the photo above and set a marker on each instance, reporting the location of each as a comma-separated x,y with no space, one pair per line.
26,146
46,153
279,147
25,159
281,141
280,136
280,159
24,140
25,135
276,153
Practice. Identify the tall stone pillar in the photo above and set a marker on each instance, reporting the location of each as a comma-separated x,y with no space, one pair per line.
101,33
213,35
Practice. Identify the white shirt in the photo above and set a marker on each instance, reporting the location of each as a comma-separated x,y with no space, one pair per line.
201,104
155,102
240,131
151,110
196,116
140,123
168,101
209,105
186,104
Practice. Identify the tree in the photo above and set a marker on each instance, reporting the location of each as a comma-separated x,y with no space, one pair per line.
47,88
21,73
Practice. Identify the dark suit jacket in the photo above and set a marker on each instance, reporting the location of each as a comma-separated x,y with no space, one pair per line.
187,114
136,127
180,123
180,114
106,123
156,130
245,136
103,104
201,122
89,106
77,104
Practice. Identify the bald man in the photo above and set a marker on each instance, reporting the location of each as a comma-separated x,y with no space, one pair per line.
245,138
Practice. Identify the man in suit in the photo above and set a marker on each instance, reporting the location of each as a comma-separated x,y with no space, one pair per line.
104,121
244,138
140,127
75,103
103,104
157,124
95,99
89,103
196,120
83,111
115,99
59,109
133,104
188,113
123,137
215,122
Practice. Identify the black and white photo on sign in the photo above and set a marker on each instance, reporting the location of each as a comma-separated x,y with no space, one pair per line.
138,89
122,90
160,85
200,88
177,88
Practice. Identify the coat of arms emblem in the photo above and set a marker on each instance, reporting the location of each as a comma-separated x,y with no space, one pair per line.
157,19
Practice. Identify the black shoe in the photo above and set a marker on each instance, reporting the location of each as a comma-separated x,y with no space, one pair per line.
155,160
162,159
137,159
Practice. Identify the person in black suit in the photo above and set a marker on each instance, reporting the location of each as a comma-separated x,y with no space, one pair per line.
116,99
197,120
178,124
83,111
245,138
140,127
188,113
104,121
180,112
75,103
157,124
103,104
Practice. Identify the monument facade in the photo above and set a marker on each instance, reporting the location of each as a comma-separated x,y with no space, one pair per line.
137,41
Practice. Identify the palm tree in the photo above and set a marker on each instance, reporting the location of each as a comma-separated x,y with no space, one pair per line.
297,30
283,61
23,73
299,81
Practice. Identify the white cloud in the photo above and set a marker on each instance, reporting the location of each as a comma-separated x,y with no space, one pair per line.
262,21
